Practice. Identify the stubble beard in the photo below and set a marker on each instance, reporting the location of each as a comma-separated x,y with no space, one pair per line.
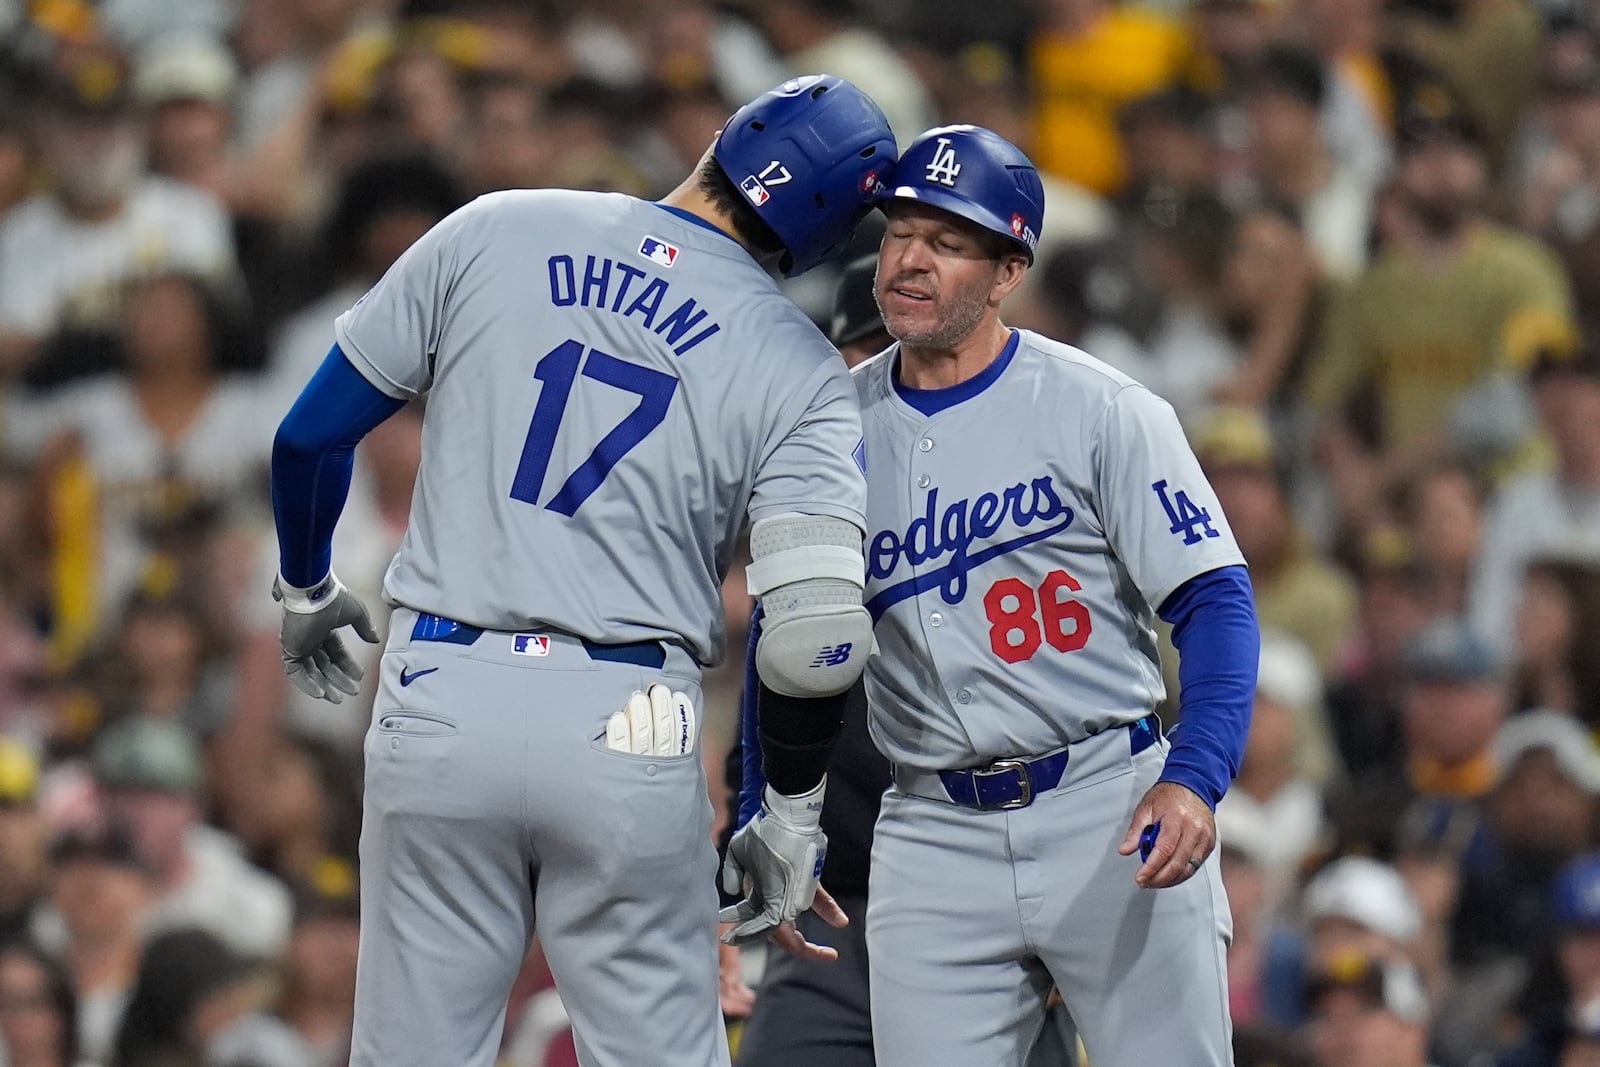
959,317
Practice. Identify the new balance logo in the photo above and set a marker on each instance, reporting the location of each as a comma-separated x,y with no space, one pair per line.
944,168
1184,516
833,655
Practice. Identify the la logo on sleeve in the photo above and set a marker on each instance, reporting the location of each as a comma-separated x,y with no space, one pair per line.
1186,518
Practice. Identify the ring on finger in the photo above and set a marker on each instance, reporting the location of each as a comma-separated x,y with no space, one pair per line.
1195,863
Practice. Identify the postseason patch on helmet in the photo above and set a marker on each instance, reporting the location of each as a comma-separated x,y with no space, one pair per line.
1024,232
871,184
658,251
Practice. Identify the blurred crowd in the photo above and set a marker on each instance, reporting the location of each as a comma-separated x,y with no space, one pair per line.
1355,243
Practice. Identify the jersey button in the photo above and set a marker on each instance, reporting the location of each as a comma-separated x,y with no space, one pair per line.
926,444
936,619
923,482
963,696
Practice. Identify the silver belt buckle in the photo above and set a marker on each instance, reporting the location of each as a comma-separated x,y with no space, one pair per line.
1001,766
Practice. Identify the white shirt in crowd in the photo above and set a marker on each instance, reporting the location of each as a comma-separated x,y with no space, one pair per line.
56,270
223,456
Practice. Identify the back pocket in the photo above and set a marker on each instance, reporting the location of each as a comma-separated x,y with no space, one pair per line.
405,722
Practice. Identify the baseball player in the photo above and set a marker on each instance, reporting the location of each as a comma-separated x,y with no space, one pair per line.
807,1010
1030,512
613,385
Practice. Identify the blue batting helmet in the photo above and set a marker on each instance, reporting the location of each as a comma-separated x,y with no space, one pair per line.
811,157
977,174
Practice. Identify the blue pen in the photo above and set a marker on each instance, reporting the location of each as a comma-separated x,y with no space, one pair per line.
1147,841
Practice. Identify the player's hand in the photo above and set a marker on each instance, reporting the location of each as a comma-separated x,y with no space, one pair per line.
737,998
314,656
788,937
1187,832
775,860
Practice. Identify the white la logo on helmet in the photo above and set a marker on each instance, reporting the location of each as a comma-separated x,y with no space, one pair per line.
944,167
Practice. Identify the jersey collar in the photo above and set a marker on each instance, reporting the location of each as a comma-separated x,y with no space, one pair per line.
691,217
932,401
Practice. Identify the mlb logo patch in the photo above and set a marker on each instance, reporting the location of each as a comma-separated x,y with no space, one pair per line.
658,251
530,644
755,190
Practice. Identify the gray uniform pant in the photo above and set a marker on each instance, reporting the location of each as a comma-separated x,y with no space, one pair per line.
974,914
493,813
809,1013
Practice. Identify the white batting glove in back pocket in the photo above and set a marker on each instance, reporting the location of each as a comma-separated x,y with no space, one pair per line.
660,723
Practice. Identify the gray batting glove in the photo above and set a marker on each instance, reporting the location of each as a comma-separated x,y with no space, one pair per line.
314,657
775,860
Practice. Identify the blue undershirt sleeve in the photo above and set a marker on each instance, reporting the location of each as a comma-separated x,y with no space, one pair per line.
754,780
313,455
1214,624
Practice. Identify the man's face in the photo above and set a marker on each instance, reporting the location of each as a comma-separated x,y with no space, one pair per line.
1537,807
1443,182
1569,408
100,900
1452,722
1251,499
22,849
29,1025
158,820
938,276
1578,953
97,160
1348,1030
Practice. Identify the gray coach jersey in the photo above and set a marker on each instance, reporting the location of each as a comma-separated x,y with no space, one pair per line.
1016,541
611,387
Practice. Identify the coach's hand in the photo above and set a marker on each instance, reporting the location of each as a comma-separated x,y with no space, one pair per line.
314,656
775,860
1188,834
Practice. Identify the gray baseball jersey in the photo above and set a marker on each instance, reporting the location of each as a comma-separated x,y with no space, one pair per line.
1017,541
611,388
1018,537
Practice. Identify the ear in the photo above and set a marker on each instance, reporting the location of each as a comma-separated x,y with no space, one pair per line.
1007,276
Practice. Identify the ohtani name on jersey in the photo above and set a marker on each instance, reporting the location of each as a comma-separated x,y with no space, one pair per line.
606,284
953,531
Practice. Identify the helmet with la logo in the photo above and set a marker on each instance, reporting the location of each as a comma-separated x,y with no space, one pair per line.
810,156
976,174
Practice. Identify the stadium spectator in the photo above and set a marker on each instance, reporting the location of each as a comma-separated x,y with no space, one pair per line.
320,973
1276,800
66,253
1368,1013
102,891
1088,58
197,1002
151,773
24,864
1284,93
171,438
1456,304
1444,508
1553,512
38,1009
1297,591
1455,699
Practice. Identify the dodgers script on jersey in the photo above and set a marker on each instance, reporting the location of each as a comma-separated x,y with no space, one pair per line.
1026,533
629,383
